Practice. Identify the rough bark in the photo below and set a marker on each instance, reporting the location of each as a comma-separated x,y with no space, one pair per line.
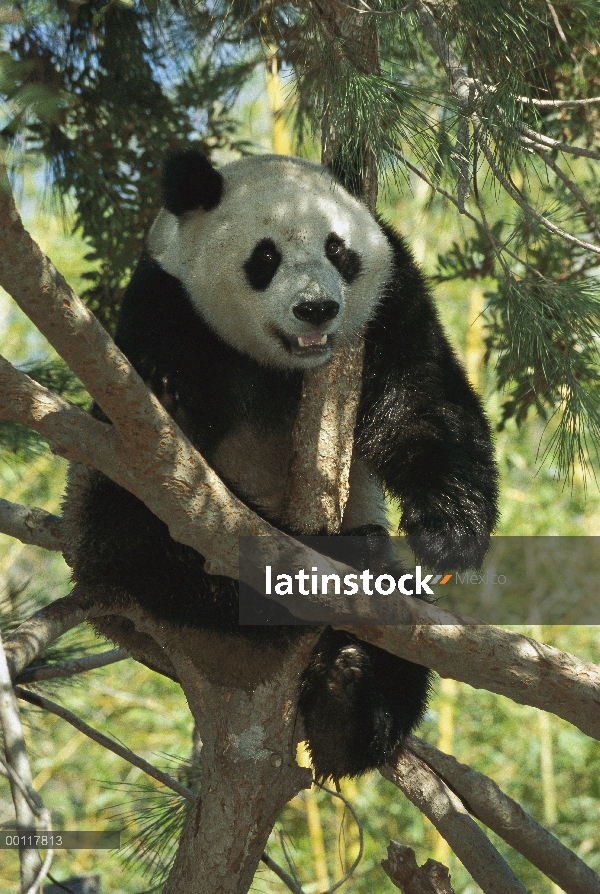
402,869
323,438
488,657
17,759
323,434
249,726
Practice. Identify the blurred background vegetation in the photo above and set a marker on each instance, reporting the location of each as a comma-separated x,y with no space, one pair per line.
93,237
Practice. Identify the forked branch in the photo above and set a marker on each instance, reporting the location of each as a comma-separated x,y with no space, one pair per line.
487,802
447,813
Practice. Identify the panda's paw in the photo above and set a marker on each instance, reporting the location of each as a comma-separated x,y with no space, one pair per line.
449,551
347,672
358,704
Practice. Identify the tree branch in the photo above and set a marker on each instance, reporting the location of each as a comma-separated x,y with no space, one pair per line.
501,661
549,143
287,880
31,525
589,212
513,193
38,632
18,761
488,803
559,103
440,805
323,438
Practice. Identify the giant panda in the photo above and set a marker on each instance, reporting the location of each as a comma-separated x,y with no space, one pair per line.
251,275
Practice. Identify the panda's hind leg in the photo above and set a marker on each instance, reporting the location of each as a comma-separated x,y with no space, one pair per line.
358,704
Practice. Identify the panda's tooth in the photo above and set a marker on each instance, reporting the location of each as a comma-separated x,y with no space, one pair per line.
310,341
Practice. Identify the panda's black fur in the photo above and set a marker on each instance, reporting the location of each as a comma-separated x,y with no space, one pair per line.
420,431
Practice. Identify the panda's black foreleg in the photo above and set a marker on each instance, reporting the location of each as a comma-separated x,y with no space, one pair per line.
359,702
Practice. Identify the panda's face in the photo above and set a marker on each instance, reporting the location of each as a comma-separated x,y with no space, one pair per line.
285,267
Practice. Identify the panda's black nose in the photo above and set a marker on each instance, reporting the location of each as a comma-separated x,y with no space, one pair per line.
316,312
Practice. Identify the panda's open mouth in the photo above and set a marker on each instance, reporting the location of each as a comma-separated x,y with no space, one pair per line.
315,344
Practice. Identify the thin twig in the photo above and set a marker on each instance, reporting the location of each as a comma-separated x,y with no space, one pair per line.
18,760
361,840
571,186
287,880
64,669
132,758
28,792
462,85
43,871
557,24
559,103
366,10
500,246
560,147
513,193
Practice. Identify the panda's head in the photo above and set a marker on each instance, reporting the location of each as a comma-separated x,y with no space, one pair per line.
278,259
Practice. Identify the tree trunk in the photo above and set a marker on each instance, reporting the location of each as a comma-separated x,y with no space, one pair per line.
245,705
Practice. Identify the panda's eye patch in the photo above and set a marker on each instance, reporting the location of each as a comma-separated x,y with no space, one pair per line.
346,261
261,266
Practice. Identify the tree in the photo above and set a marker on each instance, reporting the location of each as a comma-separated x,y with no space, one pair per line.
447,91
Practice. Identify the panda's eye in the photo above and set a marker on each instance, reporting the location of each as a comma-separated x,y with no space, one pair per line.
261,266
346,261
334,247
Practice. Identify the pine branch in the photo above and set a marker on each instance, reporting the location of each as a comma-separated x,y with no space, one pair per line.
549,143
47,625
591,217
281,874
514,194
45,704
559,103
488,803
447,813
72,432
466,90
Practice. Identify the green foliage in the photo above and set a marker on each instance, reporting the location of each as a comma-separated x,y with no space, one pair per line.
94,88
153,822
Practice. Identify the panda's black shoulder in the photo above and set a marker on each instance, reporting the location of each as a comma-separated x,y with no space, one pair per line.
157,324
405,322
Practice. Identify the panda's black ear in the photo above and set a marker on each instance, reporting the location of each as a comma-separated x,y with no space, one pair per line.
190,182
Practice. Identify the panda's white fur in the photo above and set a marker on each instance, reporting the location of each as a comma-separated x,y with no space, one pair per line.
297,204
